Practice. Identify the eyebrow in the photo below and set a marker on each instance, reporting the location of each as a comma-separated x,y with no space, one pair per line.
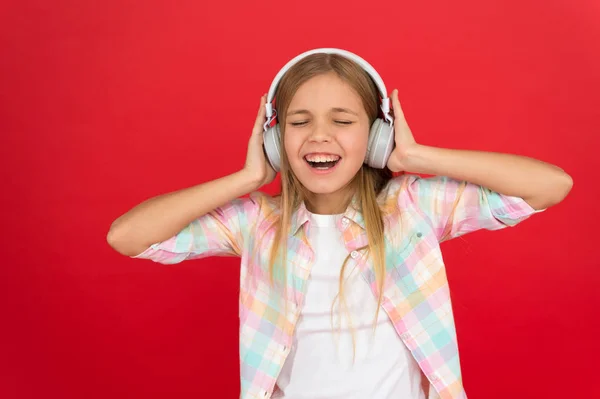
335,109
297,112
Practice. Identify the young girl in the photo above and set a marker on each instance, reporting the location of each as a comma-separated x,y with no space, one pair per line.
343,291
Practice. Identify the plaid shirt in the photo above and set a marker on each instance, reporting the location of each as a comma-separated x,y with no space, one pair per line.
419,214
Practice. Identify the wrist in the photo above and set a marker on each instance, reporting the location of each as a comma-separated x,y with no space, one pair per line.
414,159
249,181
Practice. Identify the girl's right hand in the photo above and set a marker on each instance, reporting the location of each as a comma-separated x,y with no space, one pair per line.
257,166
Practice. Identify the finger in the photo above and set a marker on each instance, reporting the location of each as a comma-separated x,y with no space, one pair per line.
260,117
261,108
396,103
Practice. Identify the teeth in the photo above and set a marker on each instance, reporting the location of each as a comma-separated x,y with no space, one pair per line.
322,158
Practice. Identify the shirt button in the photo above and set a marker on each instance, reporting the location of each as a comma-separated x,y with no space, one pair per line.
344,221
419,234
434,377
405,336
354,254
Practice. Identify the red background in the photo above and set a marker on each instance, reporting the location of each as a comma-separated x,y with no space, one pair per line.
106,103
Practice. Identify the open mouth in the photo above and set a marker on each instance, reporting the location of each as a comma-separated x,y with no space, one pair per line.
323,163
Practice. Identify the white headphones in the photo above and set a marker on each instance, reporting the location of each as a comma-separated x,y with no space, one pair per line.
381,137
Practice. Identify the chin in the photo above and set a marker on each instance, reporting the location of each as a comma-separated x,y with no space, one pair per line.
324,188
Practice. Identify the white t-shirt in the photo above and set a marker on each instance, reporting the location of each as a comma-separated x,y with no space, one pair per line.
320,363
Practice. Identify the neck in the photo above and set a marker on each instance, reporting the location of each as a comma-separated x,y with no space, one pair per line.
330,204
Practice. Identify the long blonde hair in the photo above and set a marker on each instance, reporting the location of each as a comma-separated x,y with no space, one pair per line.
367,183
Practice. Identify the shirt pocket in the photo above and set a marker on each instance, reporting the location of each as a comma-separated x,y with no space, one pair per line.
415,263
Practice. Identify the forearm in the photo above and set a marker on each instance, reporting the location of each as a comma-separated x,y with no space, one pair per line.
163,216
540,184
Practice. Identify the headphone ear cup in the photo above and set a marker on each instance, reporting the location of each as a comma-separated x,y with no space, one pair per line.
272,146
381,143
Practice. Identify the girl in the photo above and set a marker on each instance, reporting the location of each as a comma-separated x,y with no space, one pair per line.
344,239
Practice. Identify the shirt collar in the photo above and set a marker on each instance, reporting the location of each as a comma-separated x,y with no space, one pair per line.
302,215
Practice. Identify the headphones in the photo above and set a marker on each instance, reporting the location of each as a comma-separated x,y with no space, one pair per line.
381,136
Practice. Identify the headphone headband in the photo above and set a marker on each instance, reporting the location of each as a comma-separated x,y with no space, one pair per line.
385,101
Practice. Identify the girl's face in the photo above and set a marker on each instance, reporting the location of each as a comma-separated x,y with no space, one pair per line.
326,136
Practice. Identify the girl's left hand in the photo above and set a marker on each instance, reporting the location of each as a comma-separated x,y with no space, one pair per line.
403,137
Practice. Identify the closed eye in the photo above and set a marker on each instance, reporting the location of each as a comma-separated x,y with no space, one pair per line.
302,123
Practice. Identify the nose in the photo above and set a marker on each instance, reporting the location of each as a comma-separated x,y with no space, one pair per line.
320,133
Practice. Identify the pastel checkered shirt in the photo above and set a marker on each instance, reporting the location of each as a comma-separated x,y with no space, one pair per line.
419,214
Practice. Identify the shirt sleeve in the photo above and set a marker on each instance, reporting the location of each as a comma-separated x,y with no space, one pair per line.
455,208
221,232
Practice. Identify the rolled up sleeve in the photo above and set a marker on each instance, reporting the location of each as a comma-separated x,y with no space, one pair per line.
455,208
221,232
